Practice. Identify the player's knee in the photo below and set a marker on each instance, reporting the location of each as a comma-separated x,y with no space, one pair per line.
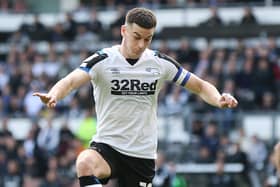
85,164
88,164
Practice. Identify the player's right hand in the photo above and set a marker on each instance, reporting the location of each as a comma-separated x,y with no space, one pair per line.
47,99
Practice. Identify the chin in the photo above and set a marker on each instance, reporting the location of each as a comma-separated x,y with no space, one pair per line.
134,56
137,55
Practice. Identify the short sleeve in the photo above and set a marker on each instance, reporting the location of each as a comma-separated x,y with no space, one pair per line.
173,70
92,60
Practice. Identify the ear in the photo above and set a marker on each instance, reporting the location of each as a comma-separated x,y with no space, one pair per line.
123,30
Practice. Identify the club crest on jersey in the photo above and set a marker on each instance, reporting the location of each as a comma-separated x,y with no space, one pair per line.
115,70
133,87
154,71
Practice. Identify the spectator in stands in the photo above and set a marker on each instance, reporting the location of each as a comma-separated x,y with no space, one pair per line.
4,78
6,99
11,147
176,101
57,33
70,26
20,6
74,110
214,19
236,155
38,66
66,168
257,153
32,106
84,36
211,138
21,158
48,138
154,4
248,17
225,144
37,29
220,178
69,61
29,142
13,177
65,141
264,79
273,52
201,67
164,47
3,165
268,102
94,24
19,38
31,50
5,6
244,85
5,127
186,54
204,155
51,179
52,64
126,2
84,97
16,79
119,20
197,128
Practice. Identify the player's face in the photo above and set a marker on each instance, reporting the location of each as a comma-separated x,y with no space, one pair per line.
135,39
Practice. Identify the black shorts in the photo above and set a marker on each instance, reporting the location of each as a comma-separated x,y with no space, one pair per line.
130,171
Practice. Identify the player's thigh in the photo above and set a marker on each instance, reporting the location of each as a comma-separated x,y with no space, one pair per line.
90,162
135,180
136,172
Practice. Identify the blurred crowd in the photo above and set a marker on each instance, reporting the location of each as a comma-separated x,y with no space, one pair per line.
45,158
24,6
251,72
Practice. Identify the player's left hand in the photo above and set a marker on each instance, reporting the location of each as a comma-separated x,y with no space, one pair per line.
227,101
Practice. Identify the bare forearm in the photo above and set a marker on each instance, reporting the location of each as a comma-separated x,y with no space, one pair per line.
61,89
210,94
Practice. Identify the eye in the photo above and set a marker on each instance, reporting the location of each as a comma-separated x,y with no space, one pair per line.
147,39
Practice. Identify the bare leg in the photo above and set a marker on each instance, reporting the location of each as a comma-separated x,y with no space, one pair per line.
91,167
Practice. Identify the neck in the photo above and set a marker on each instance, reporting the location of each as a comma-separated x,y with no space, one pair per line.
123,52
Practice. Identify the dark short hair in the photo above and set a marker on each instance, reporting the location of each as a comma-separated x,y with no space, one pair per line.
141,16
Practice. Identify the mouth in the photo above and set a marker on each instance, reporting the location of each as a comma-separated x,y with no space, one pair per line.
139,51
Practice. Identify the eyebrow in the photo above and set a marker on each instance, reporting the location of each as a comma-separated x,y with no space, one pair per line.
139,35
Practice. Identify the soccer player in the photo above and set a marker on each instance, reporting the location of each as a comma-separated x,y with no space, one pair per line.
126,79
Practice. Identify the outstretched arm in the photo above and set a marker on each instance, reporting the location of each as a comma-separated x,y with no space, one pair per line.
209,93
63,87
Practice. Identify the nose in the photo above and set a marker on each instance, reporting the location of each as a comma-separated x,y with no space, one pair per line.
141,44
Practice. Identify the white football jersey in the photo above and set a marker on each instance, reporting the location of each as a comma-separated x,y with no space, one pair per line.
126,98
